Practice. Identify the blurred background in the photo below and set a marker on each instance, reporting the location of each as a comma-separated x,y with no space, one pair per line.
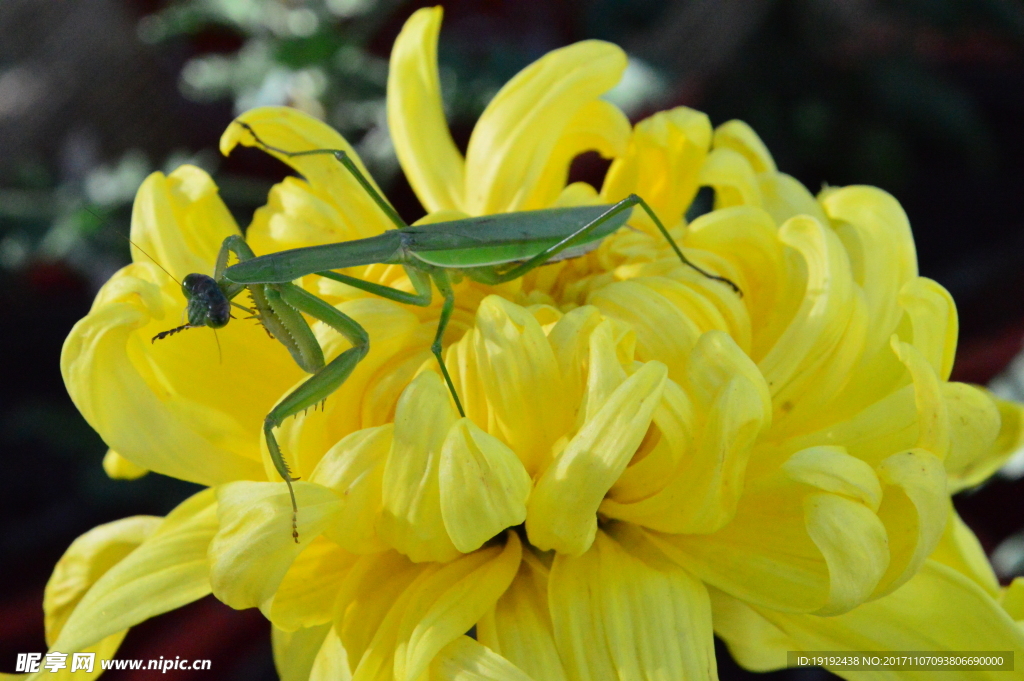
924,98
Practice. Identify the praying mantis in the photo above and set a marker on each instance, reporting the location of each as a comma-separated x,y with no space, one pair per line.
491,249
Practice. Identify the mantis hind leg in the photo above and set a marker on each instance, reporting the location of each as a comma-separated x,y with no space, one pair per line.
320,385
488,276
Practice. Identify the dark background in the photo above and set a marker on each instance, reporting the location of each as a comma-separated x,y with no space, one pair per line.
924,98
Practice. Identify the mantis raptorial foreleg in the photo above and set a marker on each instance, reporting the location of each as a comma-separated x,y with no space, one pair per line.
323,382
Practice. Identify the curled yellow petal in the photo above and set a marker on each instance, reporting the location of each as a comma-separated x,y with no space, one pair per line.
295,651
254,548
411,519
597,126
749,237
166,571
88,558
961,550
466,660
732,177
876,233
423,143
519,627
975,421
934,326
732,408
441,604
484,487
831,469
354,469
179,221
519,129
306,595
741,138
855,547
292,130
120,468
562,512
915,506
661,163
515,359
623,610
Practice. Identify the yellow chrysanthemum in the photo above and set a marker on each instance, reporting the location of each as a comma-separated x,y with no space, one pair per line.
672,459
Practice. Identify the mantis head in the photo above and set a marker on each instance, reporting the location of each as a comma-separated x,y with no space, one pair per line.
207,304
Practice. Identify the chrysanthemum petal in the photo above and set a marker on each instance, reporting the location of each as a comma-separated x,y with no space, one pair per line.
939,609
513,360
598,126
623,610
466,660
753,641
448,603
120,468
740,137
484,487
732,177
292,130
296,215
732,408
748,236
441,604
933,416
1012,599
88,558
519,627
295,651
118,381
179,221
519,129
853,542
797,368
211,392
790,548
354,469
663,331
254,548
166,571
961,550
831,469
562,512
914,509
331,661
784,197
934,326
374,585
661,163
416,121
411,519
306,595
876,233
974,427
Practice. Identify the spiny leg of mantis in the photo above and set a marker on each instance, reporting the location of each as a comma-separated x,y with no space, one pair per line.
494,277
420,280
422,297
323,382
279,308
